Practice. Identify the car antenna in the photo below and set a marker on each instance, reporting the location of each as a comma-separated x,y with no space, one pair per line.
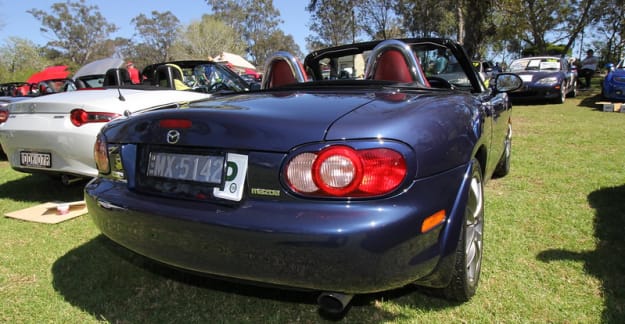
121,97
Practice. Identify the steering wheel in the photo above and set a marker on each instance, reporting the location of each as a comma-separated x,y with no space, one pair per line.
438,82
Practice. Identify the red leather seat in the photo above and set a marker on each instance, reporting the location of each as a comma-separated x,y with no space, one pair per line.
281,74
391,66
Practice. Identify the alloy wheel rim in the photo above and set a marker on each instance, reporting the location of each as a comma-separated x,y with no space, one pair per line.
474,230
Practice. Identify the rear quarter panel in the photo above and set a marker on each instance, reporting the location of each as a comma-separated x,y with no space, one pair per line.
442,127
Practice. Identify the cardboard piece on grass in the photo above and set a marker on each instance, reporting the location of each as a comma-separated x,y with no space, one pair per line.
611,106
47,212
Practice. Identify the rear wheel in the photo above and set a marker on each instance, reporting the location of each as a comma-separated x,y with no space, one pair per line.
470,245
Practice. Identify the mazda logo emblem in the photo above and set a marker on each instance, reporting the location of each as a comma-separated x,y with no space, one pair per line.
173,136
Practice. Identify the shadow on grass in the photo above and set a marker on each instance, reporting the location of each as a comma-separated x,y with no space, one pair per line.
41,188
607,262
590,101
116,285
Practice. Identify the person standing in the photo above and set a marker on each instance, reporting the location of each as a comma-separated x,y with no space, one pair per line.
133,72
440,64
589,66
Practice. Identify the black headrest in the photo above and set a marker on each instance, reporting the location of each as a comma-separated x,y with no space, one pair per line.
116,76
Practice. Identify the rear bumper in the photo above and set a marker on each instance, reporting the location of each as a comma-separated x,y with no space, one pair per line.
70,147
357,247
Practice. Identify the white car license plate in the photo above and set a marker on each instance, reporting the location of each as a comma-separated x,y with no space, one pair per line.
203,168
36,159
190,167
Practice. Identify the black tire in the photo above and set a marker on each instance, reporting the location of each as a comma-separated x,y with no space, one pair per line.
503,166
573,92
562,98
469,250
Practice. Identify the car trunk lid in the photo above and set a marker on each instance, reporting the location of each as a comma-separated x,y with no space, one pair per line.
101,100
273,121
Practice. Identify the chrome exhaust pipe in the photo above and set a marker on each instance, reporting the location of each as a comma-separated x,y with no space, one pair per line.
68,179
333,302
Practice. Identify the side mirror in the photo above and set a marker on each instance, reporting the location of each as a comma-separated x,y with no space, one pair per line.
610,67
506,82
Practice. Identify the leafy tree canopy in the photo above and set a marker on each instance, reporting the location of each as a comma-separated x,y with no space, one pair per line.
75,28
255,21
207,38
157,33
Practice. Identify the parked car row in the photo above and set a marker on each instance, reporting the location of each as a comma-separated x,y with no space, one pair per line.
72,119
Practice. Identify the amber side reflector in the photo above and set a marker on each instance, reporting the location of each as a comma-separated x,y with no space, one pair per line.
433,220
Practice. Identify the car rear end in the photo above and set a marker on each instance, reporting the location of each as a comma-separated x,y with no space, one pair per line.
55,134
256,217
45,137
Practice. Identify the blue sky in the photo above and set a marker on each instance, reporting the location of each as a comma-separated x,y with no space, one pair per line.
17,22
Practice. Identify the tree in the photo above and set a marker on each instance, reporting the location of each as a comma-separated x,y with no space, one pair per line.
612,27
333,23
19,58
76,29
156,33
541,23
277,41
207,38
255,21
378,20
583,14
427,18
478,27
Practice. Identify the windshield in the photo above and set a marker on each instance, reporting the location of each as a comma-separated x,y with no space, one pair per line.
202,76
209,77
535,64
436,61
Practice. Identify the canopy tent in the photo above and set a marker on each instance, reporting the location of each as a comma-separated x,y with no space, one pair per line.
99,67
236,62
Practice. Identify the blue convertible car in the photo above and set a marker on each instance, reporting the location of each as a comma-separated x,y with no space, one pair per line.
356,171
545,78
613,86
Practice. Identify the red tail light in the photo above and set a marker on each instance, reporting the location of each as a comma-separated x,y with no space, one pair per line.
4,115
341,171
80,117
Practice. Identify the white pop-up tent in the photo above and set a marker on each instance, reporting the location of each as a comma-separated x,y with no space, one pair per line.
235,62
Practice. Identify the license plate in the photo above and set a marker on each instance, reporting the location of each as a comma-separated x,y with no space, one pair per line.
189,167
36,159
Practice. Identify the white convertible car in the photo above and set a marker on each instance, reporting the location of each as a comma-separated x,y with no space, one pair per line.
55,134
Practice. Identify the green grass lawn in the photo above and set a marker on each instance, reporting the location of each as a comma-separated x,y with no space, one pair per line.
554,248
